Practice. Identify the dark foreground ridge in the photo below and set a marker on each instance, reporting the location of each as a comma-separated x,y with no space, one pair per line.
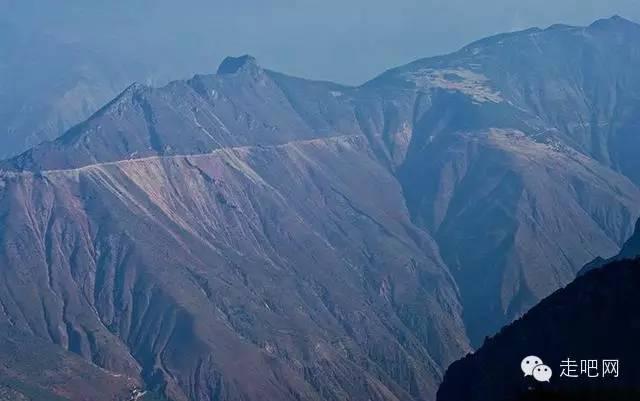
595,317
611,394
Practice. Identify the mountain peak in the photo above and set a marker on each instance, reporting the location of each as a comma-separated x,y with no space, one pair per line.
613,21
233,65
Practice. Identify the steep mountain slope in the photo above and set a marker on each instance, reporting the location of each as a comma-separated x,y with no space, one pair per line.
466,149
595,317
515,218
47,86
519,154
578,83
630,250
277,272
32,369
249,235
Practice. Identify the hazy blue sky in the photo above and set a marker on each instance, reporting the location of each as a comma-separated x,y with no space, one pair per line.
347,41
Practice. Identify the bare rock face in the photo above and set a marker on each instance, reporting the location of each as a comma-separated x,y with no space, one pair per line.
277,272
249,235
230,237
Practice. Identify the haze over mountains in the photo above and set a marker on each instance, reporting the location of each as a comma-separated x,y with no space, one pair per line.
250,235
47,86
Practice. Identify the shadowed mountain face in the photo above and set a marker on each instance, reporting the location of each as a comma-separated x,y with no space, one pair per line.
630,250
249,235
595,317
46,87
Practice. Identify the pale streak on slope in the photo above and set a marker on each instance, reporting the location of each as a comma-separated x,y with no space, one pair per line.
225,150
151,176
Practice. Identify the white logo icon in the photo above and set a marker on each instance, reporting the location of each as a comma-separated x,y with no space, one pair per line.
542,373
533,366
529,363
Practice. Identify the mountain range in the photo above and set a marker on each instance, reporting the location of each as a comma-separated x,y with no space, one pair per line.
248,235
